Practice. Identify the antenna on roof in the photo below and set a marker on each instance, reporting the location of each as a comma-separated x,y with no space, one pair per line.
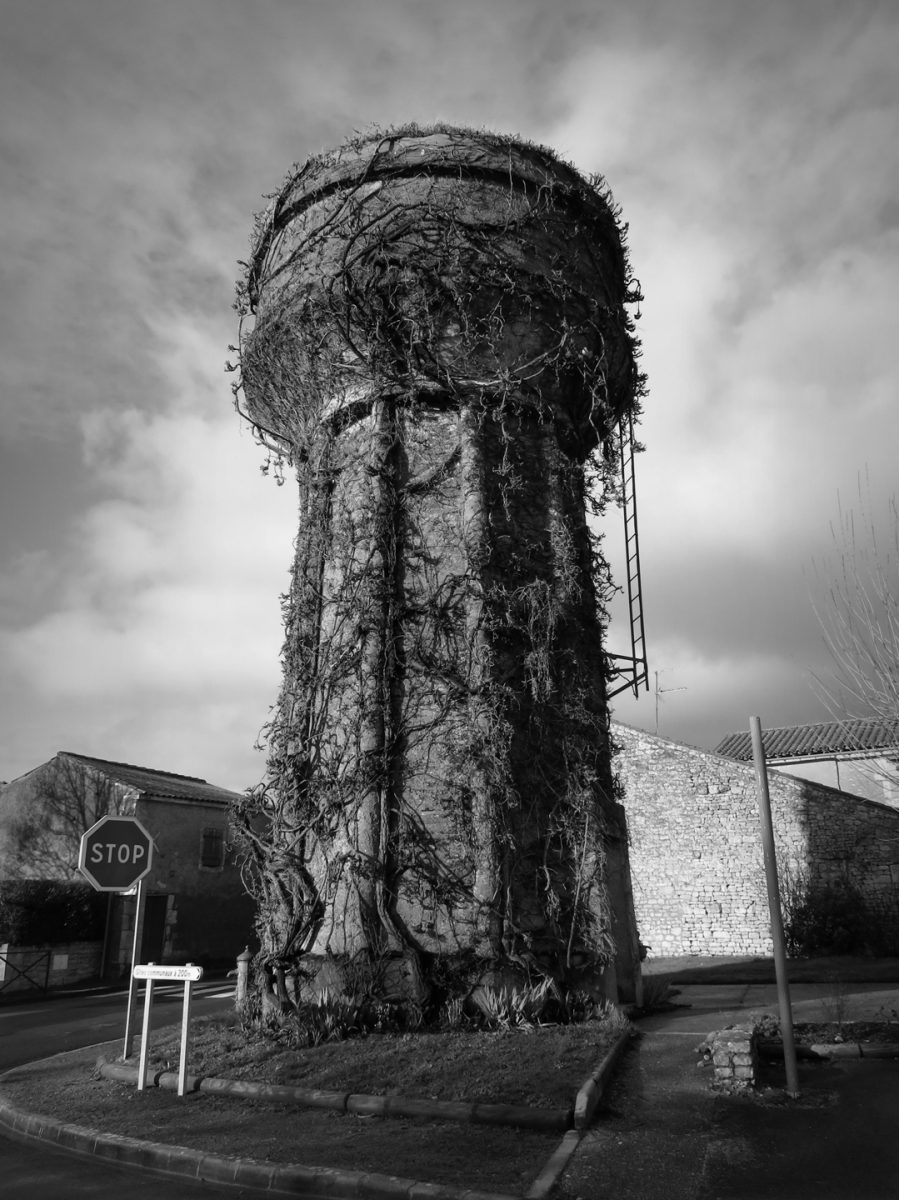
660,692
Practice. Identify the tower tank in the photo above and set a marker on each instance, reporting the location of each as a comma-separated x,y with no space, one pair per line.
435,340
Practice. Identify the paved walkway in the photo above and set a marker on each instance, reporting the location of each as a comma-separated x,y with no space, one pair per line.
663,1134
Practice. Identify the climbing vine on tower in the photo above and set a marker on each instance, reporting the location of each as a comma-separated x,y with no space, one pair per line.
434,339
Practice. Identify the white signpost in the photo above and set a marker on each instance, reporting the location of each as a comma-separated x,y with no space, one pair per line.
188,975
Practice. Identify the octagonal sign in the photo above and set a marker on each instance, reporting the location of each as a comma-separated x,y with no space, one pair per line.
115,853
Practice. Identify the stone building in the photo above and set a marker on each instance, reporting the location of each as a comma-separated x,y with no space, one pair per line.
696,854
197,909
857,756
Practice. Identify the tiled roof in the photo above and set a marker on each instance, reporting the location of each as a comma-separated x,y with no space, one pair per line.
808,741
157,783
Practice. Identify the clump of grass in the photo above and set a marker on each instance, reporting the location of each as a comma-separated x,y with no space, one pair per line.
836,1001
511,1007
526,1007
658,993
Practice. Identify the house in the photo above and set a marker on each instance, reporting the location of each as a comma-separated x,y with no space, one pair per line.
697,866
861,757
196,907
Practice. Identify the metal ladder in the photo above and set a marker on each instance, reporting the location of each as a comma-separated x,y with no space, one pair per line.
630,670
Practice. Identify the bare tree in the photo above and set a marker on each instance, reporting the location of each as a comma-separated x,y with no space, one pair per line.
858,610
43,817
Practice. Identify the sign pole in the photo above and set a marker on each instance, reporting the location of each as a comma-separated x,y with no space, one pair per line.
185,1035
145,1035
104,953
188,976
777,929
115,854
135,958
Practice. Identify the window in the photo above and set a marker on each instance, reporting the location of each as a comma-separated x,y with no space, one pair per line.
212,849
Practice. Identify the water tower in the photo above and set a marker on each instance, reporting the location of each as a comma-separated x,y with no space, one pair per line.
434,340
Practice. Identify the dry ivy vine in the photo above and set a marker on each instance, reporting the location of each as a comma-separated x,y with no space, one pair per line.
439,349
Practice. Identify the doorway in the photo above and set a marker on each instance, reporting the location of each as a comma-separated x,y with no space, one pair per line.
153,940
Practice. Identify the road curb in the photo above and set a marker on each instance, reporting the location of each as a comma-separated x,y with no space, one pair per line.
856,1050
289,1179
587,1102
591,1092
320,1183
549,1120
774,1049
549,1176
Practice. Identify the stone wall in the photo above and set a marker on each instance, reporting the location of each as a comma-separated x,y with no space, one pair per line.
695,847
31,968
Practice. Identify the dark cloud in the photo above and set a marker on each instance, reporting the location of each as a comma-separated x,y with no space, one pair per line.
751,147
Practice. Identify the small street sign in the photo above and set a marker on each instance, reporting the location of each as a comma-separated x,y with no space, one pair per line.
178,974
115,853
151,973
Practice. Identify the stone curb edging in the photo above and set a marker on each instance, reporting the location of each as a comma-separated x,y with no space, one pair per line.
543,1185
317,1183
585,1106
550,1120
589,1096
771,1048
856,1050
322,1183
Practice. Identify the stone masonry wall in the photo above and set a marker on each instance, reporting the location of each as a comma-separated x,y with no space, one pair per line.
31,968
695,846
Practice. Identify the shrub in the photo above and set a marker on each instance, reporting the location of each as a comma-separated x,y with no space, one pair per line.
452,1014
334,1016
833,918
658,993
45,912
511,1007
328,1018
526,1006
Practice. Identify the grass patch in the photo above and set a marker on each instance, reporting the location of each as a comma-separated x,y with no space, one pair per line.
543,1066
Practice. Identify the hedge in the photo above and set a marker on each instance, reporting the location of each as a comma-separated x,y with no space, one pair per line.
41,912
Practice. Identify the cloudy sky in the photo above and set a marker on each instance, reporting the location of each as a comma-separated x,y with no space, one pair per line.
753,149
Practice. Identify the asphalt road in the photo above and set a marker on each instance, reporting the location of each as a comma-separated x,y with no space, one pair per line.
35,1029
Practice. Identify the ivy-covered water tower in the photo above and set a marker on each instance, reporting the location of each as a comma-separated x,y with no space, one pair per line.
434,339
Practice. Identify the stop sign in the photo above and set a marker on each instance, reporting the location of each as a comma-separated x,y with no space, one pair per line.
115,853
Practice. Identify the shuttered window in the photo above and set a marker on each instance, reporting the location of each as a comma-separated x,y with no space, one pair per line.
212,849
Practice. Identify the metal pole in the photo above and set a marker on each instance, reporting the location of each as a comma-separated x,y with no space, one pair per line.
185,1035
145,1037
104,953
135,957
777,929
